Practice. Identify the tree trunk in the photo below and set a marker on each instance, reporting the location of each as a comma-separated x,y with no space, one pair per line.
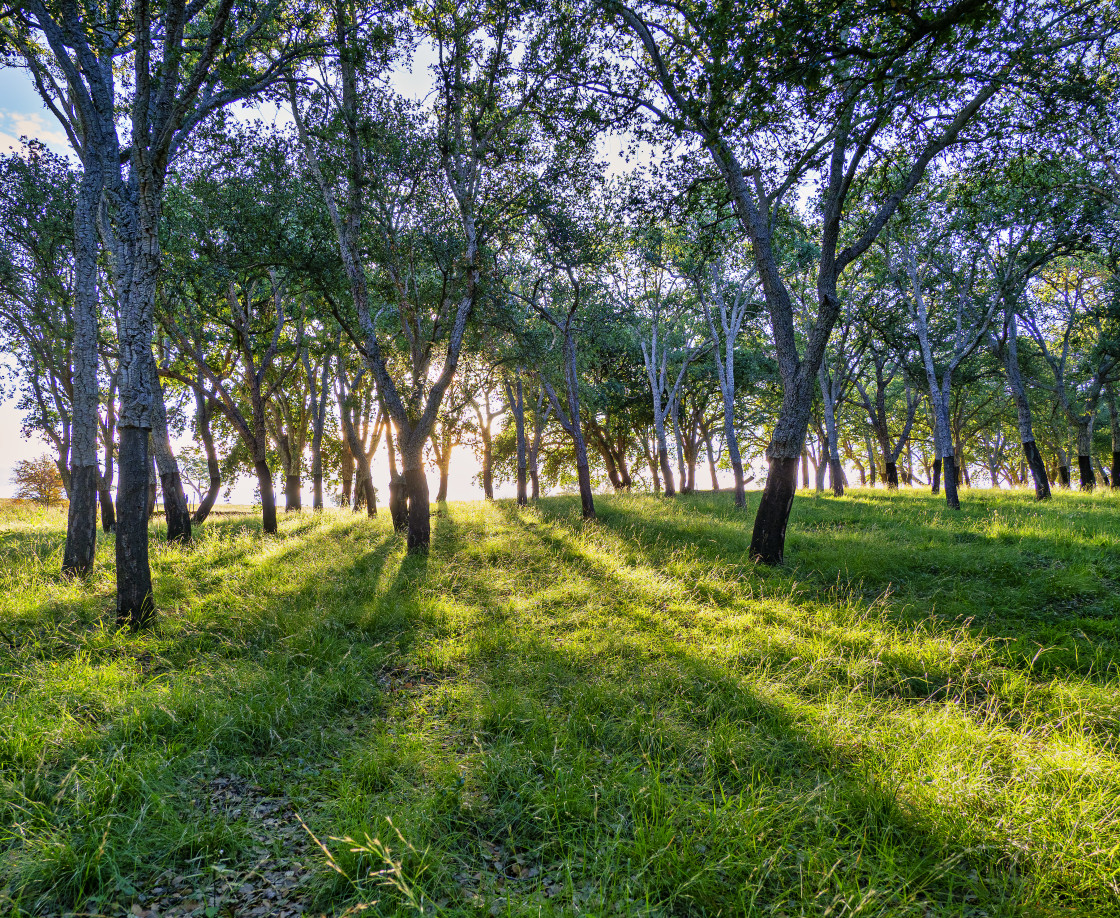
398,490
835,472
892,476
1085,452
347,473
1038,470
81,516
293,500
651,462
1114,423
135,606
711,460
153,478
769,537
949,467
1023,410
268,496
444,472
805,469
487,467
516,396
213,467
81,521
175,510
105,497
1085,468
105,482
416,488
935,484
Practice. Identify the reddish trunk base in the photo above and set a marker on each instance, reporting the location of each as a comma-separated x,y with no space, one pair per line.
935,488
892,476
1063,475
768,541
1115,483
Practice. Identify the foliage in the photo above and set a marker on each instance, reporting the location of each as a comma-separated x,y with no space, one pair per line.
38,480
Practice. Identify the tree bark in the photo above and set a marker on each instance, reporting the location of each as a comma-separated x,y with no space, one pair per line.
268,496
516,397
1023,409
135,605
81,517
768,540
175,510
1114,423
398,490
202,415
419,510
835,472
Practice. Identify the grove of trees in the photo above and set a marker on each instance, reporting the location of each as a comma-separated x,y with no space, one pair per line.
601,244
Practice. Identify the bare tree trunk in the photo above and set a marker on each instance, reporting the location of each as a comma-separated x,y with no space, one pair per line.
175,509
572,423
81,517
398,493
1063,468
268,495
213,467
364,489
1023,410
105,485
346,472
1085,451
135,606
835,471
1114,421
516,397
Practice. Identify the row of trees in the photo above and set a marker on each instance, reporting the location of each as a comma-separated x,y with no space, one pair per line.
847,232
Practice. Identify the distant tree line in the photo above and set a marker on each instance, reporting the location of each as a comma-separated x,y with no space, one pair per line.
849,238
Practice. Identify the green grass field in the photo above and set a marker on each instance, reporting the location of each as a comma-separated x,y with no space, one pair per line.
917,716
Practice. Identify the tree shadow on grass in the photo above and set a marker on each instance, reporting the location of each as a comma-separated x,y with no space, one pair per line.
259,679
1024,590
536,695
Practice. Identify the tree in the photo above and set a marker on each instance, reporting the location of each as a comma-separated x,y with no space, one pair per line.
38,480
170,65
846,100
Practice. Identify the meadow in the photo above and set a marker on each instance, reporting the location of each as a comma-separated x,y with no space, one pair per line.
916,716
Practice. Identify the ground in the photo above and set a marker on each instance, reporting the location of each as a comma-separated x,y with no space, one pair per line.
916,716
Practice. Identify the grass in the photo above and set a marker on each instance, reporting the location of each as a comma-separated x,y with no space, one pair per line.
917,716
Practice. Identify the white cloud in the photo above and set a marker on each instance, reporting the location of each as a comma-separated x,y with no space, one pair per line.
36,125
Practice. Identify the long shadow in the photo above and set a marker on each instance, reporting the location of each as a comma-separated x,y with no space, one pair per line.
1023,585
654,749
590,717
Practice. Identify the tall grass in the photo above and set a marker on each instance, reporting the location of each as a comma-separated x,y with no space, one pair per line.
916,716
